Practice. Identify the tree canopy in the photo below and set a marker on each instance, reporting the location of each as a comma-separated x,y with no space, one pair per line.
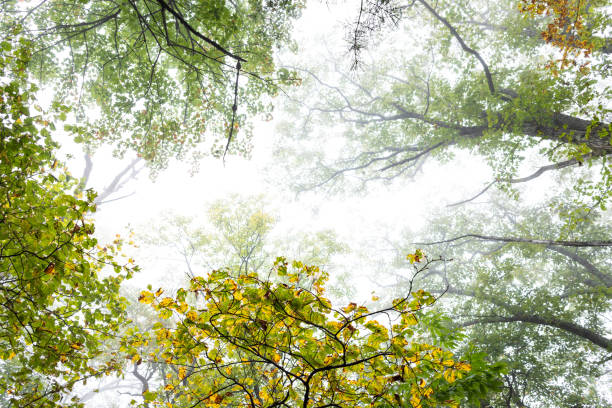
162,79
249,341
511,311
57,302
541,306
459,75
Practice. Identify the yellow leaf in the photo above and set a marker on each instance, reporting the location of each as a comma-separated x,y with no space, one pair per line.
166,302
169,387
448,363
416,257
463,366
449,375
145,297
348,309
76,346
410,319
237,295
159,291
182,373
11,355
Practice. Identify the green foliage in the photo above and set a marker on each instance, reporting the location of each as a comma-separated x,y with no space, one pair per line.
238,233
143,77
57,305
424,96
541,308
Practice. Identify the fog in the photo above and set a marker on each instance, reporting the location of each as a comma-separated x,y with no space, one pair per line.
410,147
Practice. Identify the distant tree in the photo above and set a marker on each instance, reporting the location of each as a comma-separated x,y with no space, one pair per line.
59,290
115,185
237,234
247,341
164,78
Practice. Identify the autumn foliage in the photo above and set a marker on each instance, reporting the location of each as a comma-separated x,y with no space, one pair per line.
567,31
246,341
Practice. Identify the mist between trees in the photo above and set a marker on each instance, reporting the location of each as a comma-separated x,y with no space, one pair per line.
423,221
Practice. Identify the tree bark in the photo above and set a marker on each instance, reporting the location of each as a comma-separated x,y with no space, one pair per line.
561,127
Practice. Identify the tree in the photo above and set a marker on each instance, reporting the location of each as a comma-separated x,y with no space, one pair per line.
163,76
238,234
58,300
448,83
538,303
248,341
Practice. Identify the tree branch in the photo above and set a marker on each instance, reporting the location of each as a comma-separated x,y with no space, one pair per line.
464,46
536,174
596,243
606,279
180,18
569,327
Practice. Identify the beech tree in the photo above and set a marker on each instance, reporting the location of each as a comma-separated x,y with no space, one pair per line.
238,233
248,341
59,289
164,78
524,296
441,82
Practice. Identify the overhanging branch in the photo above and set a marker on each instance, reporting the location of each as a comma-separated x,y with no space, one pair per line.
594,243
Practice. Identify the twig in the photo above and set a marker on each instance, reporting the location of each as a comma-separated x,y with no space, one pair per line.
234,109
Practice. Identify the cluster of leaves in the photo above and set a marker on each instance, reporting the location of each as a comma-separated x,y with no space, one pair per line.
159,78
56,308
568,30
253,342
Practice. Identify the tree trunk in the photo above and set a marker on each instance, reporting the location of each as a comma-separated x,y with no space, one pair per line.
561,127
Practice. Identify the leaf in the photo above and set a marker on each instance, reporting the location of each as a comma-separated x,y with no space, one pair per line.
149,395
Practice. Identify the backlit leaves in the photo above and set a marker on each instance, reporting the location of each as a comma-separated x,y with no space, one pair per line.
59,289
255,342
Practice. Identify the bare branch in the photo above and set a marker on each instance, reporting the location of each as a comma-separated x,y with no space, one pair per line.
536,174
234,108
